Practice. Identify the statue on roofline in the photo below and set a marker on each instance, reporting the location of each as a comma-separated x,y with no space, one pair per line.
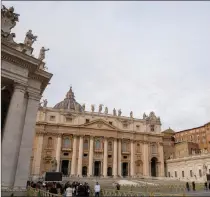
42,53
8,19
30,38
106,110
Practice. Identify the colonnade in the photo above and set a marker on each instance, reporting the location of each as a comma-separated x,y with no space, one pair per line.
18,134
77,162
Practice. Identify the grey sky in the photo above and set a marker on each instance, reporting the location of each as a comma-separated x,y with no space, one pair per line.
138,56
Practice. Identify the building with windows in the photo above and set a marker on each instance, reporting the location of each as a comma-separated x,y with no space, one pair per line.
90,143
23,80
190,168
199,135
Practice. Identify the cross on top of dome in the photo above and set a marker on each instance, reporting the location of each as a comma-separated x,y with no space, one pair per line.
70,94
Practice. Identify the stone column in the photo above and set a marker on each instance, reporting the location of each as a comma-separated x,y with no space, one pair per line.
132,160
25,153
38,154
74,156
105,157
80,157
58,152
115,159
13,130
146,159
119,158
161,159
90,166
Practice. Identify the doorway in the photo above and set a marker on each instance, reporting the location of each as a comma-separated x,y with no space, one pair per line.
97,168
109,171
154,167
65,167
84,171
124,169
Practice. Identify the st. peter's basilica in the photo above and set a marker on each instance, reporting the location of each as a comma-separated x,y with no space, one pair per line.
96,143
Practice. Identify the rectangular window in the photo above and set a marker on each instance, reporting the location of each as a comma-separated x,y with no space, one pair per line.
182,173
125,157
85,155
152,128
109,156
125,126
175,173
52,118
65,154
137,127
68,119
87,120
191,173
200,173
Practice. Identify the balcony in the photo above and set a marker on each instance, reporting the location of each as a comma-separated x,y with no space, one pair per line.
125,152
66,149
98,150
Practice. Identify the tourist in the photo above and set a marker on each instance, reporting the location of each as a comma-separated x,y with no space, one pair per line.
193,185
53,189
205,186
69,191
118,186
87,189
81,190
188,186
97,189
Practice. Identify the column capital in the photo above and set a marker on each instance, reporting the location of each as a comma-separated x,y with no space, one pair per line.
19,87
34,96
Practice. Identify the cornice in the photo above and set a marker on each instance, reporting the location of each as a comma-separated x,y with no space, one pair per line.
12,55
189,158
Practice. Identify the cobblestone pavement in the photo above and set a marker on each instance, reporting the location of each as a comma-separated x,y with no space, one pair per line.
198,193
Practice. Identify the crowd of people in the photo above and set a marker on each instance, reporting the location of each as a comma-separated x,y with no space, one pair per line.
67,190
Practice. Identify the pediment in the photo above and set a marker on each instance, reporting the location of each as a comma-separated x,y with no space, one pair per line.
99,124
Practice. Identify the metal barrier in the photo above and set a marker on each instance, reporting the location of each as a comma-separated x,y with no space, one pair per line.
104,193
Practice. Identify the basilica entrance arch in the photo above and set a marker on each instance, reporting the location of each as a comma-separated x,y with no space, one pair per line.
97,168
154,167
125,168
84,171
109,171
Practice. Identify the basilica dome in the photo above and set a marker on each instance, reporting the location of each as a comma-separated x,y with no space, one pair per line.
69,102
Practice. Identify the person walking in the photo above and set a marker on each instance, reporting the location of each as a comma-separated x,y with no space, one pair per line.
97,189
193,185
187,186
69,191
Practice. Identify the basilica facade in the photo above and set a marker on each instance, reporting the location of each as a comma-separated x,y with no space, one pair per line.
95,143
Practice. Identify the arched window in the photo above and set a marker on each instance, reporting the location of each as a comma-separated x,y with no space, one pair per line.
66,143
86,144
110,146
154,149
138,148
49,142
124,147
97,144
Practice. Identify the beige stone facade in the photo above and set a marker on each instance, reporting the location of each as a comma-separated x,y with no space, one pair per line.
190,168
96,143
22,84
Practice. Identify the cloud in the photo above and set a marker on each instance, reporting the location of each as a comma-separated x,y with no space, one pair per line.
138,56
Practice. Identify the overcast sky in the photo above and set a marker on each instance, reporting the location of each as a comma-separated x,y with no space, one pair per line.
139,56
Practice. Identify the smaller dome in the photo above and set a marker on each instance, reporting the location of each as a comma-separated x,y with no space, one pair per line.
69,102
